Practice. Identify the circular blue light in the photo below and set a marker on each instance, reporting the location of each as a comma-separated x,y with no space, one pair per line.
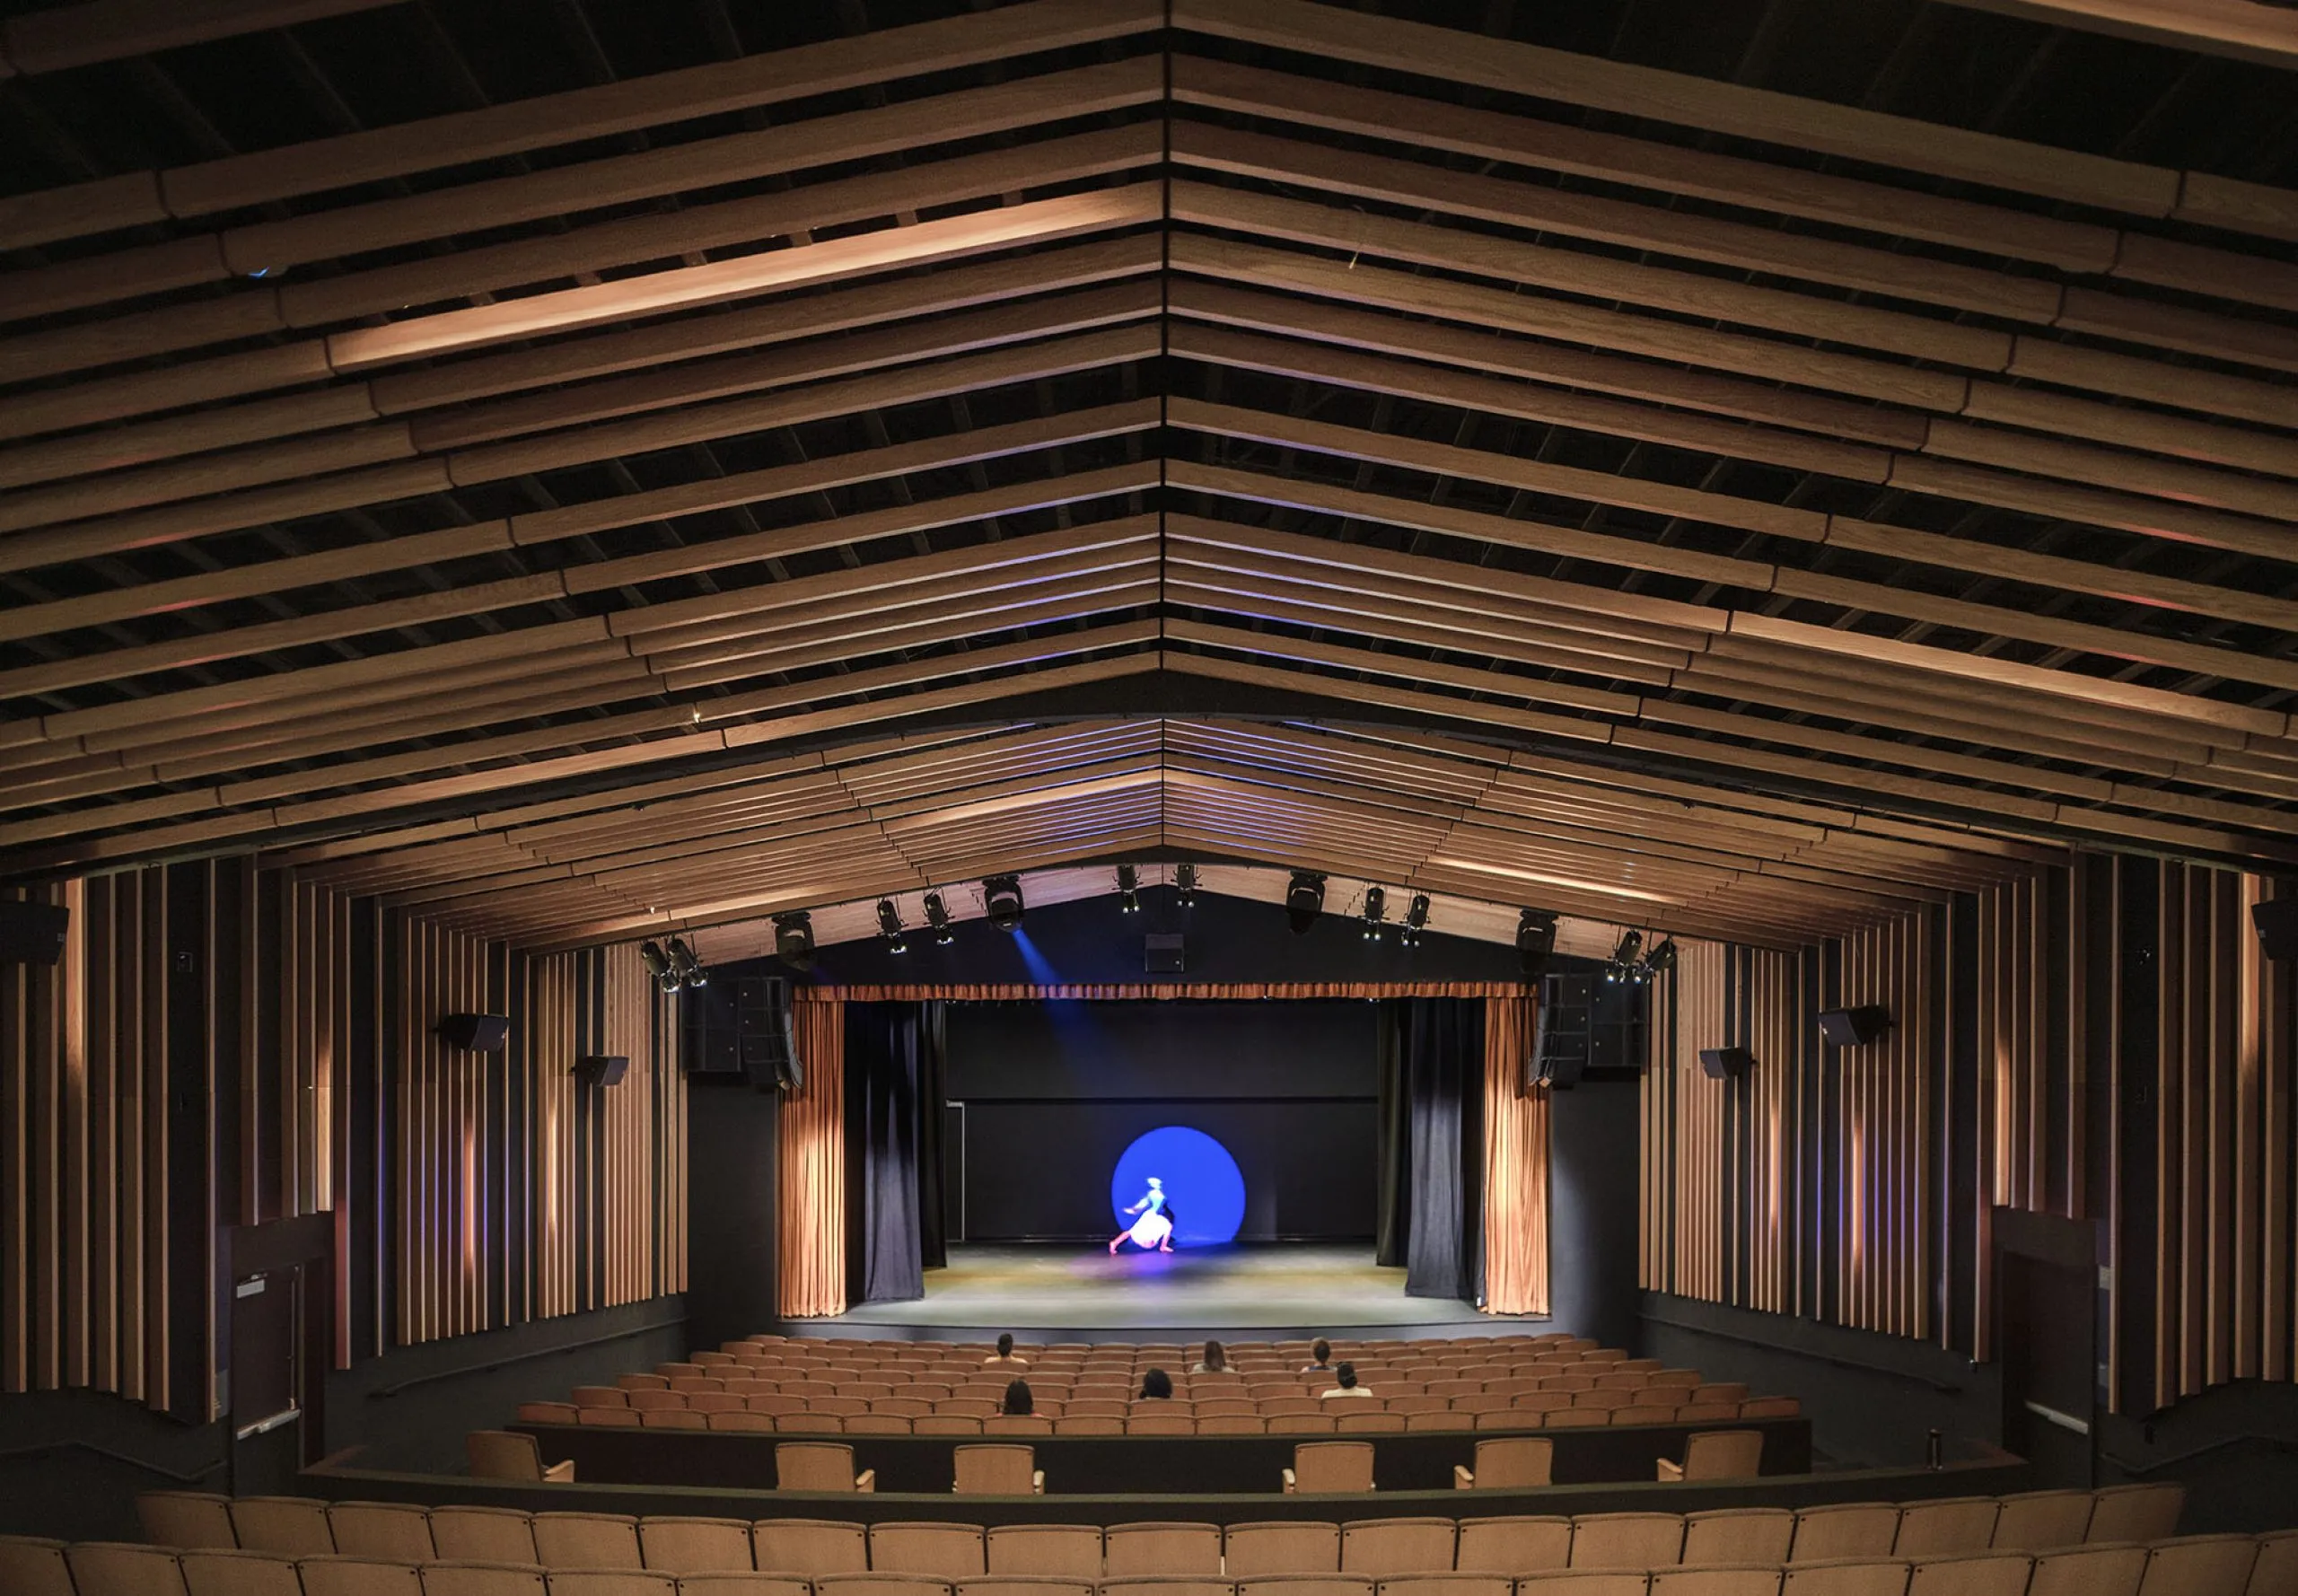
1204,1183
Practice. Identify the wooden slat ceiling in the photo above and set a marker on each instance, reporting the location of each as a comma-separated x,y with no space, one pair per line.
672,464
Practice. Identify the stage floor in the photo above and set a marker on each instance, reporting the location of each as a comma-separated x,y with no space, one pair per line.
1054,1292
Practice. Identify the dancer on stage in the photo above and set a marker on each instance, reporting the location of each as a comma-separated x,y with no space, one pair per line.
1155,1228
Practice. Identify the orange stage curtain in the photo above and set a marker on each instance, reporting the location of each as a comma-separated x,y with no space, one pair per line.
1134,991
810,1139
1515,1164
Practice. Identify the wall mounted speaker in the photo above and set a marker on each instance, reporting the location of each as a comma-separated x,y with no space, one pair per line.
1162,954
475,1033
603,1069
32,932
1856,1027
769,1039
2277,919
1725,1064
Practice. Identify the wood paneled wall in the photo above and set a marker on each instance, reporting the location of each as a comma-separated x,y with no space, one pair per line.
223,1044
1515,1164
1880,1100
810,1279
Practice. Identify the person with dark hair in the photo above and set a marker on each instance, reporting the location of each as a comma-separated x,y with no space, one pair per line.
1347,1387
1320,1350
1216,1360
1156,1386
1004,1358
1020,1401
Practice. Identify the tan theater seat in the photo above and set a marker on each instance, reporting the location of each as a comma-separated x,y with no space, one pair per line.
1843,1530
505,1454
1715,1582
1627,1539
683,1545
111,1569
2041,1521
1052,1551
2136,1512
32,1565
1379,1548
1321,1467
1738,1535
989,1470
1161,1551
1950,1526
1280,1546
213,1572
1516,1544
1846,1576
483,1534
482,1579
611,1581
294,1525
187,1518
944,1551
587,1540
1517,1463
2198,1566
1718,1454
336,1576
725,1583
396,1530
1581,1582
818,1466
1984,1573
2101,1570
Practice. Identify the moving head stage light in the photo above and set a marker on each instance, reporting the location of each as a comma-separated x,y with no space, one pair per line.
1535,941
1001,898
1304,901
793,939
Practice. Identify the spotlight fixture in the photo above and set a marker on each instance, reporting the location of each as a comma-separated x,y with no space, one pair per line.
1660,960
658,965
690,970
1001,897
1185,882
1129,890
793,939
1622,964
937,920
1376,913
1415,921
1535,941
1304,901
890,926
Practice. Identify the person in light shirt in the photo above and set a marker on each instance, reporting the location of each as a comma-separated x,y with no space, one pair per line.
1004,1358
1346,1375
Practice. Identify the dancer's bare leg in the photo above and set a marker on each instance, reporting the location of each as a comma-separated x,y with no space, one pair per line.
1120,1236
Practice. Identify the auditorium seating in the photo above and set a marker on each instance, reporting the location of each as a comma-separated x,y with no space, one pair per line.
809,1387
2038,1544
1718,1454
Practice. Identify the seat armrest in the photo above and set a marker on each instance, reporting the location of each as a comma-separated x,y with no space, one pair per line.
1463,1477
1036,1482
867,1480
1290,1482
1671,1470
560,1473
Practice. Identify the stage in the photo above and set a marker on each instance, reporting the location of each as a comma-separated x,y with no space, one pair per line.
1244,1293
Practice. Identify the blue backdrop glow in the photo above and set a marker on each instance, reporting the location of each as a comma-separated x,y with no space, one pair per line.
1202,1181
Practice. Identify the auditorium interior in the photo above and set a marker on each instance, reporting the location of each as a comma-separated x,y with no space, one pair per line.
1527,775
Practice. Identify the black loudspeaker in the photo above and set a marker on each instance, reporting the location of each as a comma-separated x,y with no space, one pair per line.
1161,954
2277,919
604,1069
1725,1064
475,1033
32,932
1855,1027
1561,1036
768,1039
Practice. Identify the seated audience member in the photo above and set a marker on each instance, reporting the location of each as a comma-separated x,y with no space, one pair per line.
1004,1358
1215,1361
1346,1375
1156,1386
1019,1399
1320,1349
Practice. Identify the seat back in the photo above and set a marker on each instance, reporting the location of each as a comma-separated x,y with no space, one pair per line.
2136,1512
213,1572
1383,1546
1320,1465
1162,1549
1284,1547
612,1582
985,1471
1584,1582
187,1518
1846,1576
813,1466
2276,1573
1984,1573
1064,1551
2198,1566
1841,1529
334,1575
2088,1570
2041,1521
1723,1454
31,1566
382,1529
483,1534
587,1540
1727,1535
809,1547
503,1454
1627,1539
112,1568
1517,1544
945,1551
695,1544
1950,1526
1715,1582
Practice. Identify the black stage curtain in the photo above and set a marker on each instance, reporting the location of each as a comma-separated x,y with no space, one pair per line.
1432,1145
893,1149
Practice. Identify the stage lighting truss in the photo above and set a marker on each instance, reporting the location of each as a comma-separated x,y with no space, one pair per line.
1185,883
688,967
937,920
793,939
658,965
1304,901
1376,913
1129,890
1622,966
890,926
1001,899
1415,921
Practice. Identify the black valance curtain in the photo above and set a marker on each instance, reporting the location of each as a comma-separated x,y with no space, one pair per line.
1432,1144
893,1149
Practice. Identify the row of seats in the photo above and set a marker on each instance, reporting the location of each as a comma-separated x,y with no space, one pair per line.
1672,1387
1363,1416
2027,1522
2197,1566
